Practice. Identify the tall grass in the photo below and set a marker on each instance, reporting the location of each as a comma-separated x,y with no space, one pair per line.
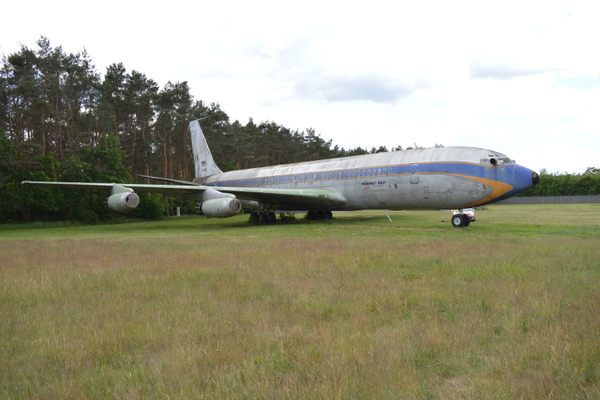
356,308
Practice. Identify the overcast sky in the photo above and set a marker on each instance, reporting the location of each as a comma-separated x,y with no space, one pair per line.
521,77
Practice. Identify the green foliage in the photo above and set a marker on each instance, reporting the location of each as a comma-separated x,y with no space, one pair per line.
152,206
587,183
9,198
104,162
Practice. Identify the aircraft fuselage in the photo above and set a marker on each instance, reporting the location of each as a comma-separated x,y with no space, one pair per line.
432,178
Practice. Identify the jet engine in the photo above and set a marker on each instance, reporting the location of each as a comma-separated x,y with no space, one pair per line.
123,202
222,207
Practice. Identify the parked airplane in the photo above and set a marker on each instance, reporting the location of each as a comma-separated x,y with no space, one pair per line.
430,178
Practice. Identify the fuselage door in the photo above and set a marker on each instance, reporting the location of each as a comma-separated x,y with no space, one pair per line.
414,173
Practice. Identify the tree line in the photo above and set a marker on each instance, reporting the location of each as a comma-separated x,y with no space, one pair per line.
61,120
564,184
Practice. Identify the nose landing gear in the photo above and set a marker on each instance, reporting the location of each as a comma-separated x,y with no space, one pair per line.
460,221
462,218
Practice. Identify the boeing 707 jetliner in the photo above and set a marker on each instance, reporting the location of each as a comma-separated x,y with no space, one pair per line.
430,178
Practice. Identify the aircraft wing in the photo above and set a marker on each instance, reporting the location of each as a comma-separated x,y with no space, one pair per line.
288,199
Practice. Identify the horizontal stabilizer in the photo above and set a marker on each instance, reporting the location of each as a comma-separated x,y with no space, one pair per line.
159,178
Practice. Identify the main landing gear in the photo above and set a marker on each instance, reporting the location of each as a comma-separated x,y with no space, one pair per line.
262,218
268,217
319,215
462,218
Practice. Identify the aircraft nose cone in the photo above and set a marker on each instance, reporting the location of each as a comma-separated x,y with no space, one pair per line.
522,178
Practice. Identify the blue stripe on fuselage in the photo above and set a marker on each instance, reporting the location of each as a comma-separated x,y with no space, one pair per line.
475,170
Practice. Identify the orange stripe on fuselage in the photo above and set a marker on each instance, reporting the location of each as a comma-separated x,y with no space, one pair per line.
498,189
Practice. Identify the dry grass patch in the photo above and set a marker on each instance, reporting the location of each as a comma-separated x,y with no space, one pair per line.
304,311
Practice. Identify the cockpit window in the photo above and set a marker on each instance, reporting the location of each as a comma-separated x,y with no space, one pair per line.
498,158
503,160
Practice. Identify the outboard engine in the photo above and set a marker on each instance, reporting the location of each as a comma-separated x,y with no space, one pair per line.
123,199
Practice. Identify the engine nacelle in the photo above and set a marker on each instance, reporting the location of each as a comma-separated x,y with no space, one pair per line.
123,202
221,208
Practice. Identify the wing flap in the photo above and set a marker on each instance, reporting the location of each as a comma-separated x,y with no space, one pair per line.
291,199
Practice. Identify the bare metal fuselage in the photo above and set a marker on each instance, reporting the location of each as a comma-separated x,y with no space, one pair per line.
432,178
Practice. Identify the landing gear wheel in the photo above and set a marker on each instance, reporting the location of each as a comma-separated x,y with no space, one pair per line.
319,215
459,220
254,218
263,218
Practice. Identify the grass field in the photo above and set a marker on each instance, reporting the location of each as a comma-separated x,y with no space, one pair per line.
360,307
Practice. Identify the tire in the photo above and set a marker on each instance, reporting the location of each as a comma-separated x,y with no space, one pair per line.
254,218
263,218
458,220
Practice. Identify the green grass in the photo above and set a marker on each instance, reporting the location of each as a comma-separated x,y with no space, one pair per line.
354,308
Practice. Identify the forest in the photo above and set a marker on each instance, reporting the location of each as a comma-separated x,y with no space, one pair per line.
62,120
